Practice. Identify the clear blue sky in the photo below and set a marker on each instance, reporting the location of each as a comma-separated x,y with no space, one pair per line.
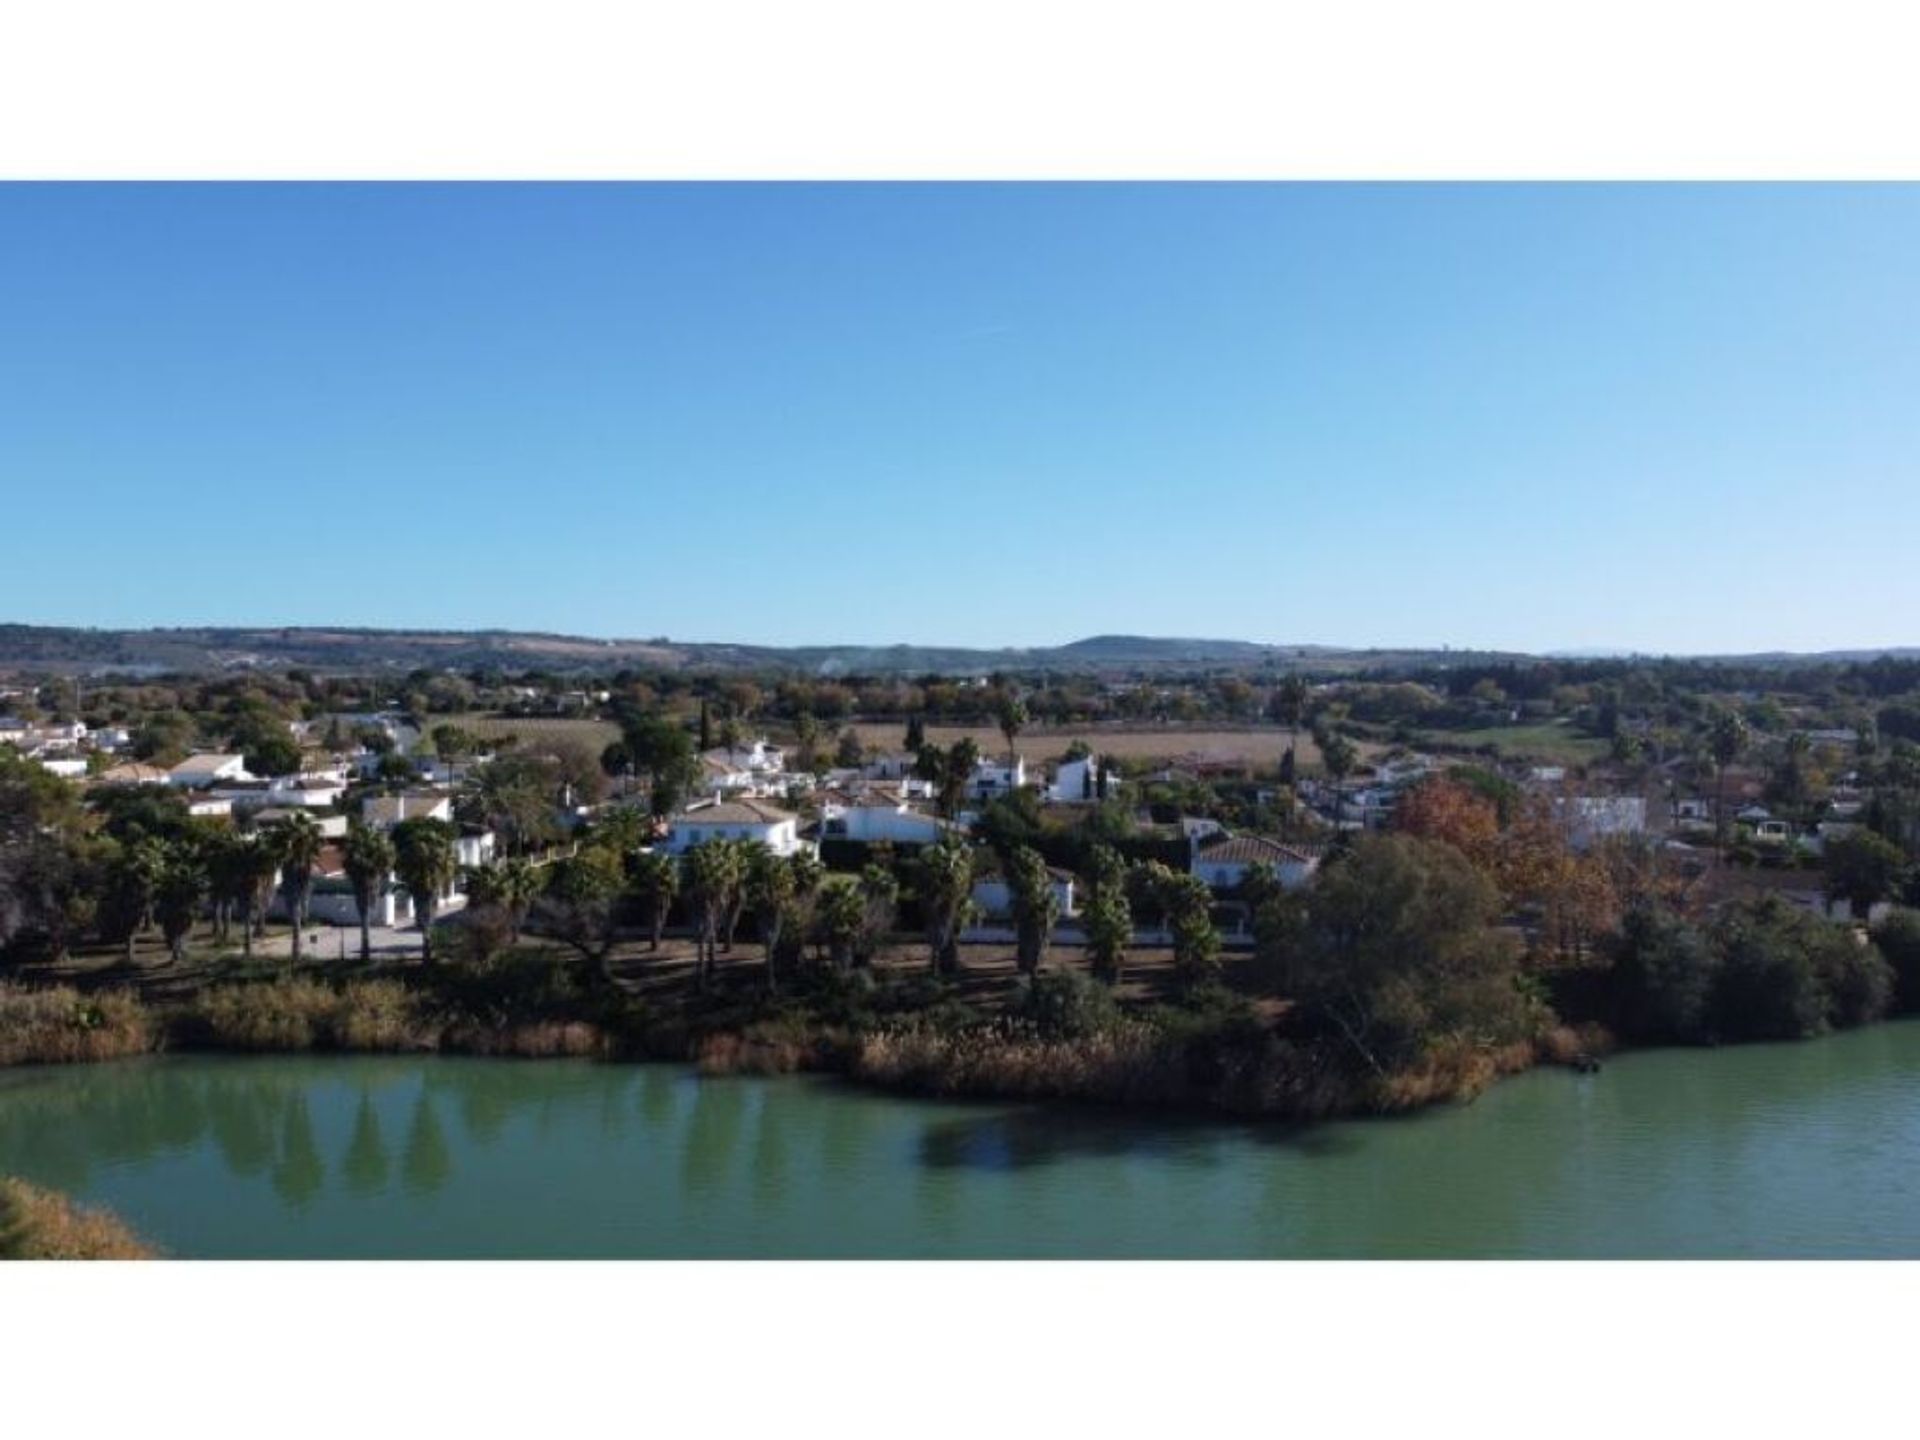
1679,418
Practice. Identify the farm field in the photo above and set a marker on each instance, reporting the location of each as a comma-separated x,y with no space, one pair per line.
595,734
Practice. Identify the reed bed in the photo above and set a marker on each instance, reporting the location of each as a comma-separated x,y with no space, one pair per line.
57,1025
37,1224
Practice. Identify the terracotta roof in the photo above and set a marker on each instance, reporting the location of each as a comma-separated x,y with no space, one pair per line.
1253,850
132,773
735,812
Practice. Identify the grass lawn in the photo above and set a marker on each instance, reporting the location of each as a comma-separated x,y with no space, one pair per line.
1554,742
1257,745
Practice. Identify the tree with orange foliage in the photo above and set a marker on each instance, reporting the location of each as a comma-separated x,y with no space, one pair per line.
1446,810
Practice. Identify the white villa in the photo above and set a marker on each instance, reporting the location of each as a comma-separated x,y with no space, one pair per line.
1078,780
383,812
738,819
994,897
1223,861
993,778
200,772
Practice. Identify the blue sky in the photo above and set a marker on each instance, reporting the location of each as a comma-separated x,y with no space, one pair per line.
1673,418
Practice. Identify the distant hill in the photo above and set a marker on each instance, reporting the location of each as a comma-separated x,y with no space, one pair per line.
205,649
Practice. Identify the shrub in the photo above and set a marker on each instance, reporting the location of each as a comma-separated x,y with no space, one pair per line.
37,1224
301,1014
1766,986
1660,977
1898,939
1065,1005
58,1025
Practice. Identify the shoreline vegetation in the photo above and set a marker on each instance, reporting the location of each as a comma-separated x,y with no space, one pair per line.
40,1224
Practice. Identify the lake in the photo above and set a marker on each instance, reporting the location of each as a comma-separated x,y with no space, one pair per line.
1777,1150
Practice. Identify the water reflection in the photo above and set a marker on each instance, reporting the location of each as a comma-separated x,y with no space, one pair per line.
299,1173
427,1164
366,1165
1809,1149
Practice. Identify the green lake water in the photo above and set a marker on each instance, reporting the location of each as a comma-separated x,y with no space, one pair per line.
1779,1150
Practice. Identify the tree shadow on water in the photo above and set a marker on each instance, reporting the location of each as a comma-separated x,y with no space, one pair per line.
1033,1136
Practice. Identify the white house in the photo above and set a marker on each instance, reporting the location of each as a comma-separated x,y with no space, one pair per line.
879,818
1077,780
1223,862
994,896
383,812
1595,817
199,772
70,767
331,827
991,778
740,819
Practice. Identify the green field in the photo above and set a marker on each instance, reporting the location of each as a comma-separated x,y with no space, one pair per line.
1554,741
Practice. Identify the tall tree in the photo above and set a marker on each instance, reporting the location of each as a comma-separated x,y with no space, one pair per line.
1108,920
368,859
1011,715
1726,740
177,896
770,894
1340,757
946,894
297,840
656,880
1036,908
1288,706
426,860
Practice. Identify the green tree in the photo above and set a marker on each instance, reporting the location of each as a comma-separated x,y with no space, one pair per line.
368,859
946,895
297,841
1863,869
426,860
579,905
1011,715
1108,920
1392,950
1661,975
1288,706
1727,737
177,896
1340,757
770,894
133,877
1036,908
1196,944
656,880
1897,937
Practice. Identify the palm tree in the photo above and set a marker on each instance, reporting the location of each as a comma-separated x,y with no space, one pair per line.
369,860
1726,738
297,840
1341,757
946,893
843,914
770,891
656,880
710,875
257,866
1289,706
1012,718
176,898
426,861
1036,909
